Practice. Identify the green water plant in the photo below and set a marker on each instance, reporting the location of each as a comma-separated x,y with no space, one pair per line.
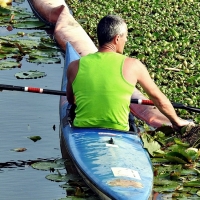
175,163
32,74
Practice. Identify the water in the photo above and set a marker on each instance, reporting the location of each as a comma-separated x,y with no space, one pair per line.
23,115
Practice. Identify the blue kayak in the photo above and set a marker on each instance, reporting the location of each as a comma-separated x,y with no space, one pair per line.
112,163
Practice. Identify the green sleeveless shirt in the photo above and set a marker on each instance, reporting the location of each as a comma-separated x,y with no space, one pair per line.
102,94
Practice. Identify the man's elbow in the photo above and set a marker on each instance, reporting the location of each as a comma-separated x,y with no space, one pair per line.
70,100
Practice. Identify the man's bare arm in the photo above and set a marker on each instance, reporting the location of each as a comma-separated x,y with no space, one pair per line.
154,93
71,74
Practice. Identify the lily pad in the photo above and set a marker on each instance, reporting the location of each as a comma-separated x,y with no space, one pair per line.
29,24
4,11
47,165
9,65
27,43
35,138
192,183
60,177
30,74
43,59
66,186
49,52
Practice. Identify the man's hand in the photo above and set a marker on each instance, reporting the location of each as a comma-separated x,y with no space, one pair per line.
182,123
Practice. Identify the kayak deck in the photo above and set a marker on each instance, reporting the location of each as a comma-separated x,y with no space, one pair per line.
114,162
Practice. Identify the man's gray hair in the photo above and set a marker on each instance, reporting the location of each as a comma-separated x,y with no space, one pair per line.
108,27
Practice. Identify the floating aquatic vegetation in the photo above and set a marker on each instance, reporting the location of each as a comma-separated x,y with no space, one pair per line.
9,64
35,58
35,138
22,149
49,165
150,144
26,24
38,47
60,177
21,44
19,18
32,74
175,163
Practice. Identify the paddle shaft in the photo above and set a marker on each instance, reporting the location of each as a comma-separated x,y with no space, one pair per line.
32,89
175,105
63,93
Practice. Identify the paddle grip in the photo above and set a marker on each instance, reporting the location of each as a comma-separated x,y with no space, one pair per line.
32,89
142,101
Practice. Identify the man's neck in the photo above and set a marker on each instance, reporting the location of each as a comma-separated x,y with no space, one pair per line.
107,48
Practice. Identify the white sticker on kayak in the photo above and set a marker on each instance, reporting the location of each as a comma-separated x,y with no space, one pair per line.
120,171
112,145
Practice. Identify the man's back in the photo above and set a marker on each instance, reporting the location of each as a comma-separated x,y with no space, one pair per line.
102,94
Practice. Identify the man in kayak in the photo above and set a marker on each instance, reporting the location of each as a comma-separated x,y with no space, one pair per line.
101,84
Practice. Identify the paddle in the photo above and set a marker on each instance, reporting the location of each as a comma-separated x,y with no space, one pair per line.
175,105
32,89
63,93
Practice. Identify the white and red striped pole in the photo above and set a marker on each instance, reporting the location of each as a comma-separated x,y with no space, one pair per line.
63,93
142,101
32,89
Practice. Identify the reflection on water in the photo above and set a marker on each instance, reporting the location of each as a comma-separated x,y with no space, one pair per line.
21,163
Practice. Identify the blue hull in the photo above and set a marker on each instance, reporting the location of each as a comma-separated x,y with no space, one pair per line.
113,163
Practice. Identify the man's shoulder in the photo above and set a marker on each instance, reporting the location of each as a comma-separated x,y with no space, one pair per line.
73,65
133,61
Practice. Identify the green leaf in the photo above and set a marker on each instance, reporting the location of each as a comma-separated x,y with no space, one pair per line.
4,11
27,43
163,182
35,138
60,177
43,59
150,144
167,188
8,65
30,74
186,172
176,157
44,52
29,24
179,142
159,153
192,154
47,165
159,160
192,183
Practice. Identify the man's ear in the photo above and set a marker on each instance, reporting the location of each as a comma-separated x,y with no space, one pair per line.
116,39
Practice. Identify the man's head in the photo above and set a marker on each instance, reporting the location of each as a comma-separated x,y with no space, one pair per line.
112,28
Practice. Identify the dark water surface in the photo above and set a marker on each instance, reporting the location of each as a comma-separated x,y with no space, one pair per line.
23,115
